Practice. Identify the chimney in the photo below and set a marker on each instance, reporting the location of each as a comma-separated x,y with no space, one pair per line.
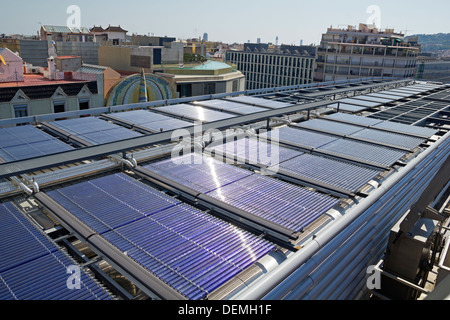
51,68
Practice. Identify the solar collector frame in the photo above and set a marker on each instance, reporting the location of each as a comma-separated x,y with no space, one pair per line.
236,197
358,152
348,131
226,250
325,174
260,102
382,125
230,107
33,268
147,121
194,113
25,142
90,131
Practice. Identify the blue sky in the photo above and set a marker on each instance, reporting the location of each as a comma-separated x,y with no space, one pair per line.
232,20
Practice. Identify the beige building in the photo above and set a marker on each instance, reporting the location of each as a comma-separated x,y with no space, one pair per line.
109,76
365,52
208,78
135,58
36,96
47,91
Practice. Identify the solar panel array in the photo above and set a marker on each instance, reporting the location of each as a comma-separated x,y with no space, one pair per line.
333,174
203,174
299,138
316,170
396,93
360,103
195,113
325,144
382,125
94,130
411,112
254,151
271,104
362,152
24,142
276,201
440,96
390,139
351,119
33,268
154,122
335,128
403,93
347,107
388,97
370,98
231,107
191,251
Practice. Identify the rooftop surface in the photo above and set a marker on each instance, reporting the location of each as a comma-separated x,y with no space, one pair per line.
32,80
217,226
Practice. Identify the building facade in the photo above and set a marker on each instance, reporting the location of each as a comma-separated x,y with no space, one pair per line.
11,66
434,70
266,67
112,33
135,58
36,96
64,33
46,90
140,88
365,52
210,77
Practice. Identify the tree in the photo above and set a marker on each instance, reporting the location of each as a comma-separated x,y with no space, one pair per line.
189,57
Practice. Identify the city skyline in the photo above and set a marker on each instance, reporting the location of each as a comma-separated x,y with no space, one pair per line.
292,21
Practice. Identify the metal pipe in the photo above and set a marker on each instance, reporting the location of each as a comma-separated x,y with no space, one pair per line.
344,257
332,267
267,282
21,185
382,243
359,281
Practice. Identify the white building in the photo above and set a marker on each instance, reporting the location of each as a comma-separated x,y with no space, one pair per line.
115,34
11,66
266,67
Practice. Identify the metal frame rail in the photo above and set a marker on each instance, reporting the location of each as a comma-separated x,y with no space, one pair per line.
264,226
148,282
95,152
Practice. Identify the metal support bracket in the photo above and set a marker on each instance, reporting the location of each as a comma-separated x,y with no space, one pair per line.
433,214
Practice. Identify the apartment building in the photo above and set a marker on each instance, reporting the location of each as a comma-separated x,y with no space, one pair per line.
365,52
267,66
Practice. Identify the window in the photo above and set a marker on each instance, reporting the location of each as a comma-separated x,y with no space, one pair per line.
235,85
84,104
59,106
185,90
210,88
21,111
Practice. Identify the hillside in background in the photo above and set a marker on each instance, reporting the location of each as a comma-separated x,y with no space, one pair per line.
434,42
